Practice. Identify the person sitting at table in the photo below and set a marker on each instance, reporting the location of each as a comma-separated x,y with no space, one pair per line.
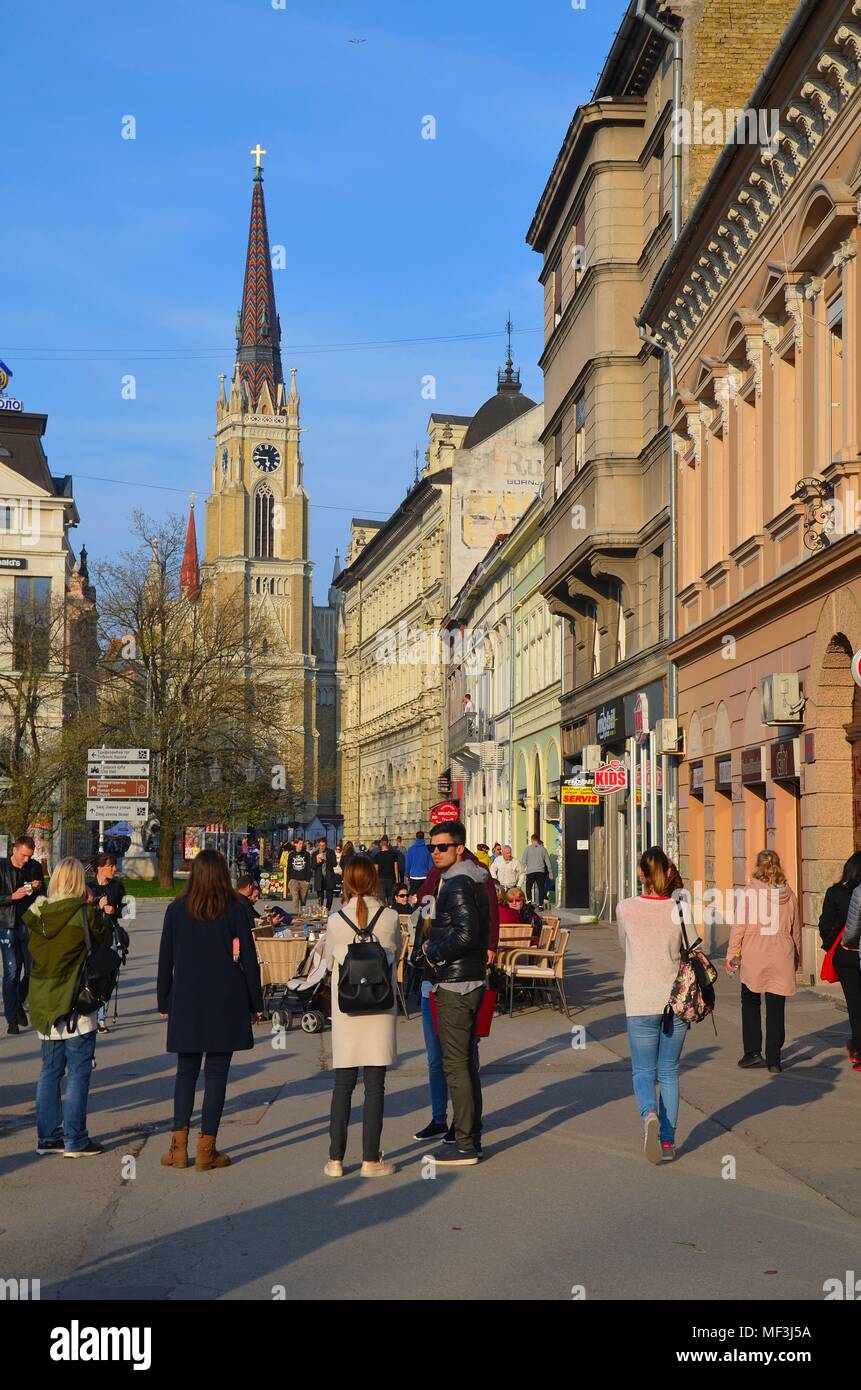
512,910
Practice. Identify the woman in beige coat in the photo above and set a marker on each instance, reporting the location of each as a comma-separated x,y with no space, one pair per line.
767,946
366,1041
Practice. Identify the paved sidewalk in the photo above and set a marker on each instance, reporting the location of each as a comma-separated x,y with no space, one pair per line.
564,1201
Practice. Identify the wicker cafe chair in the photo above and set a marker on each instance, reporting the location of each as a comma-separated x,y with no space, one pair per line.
512,936
541,969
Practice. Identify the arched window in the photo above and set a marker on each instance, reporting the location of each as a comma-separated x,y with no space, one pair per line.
264,529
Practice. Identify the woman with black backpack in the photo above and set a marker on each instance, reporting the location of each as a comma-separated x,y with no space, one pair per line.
58,949
361,1039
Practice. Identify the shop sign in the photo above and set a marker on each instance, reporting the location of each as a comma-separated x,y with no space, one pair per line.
12,562
579,796
443,785
611,777
785,759
443,811
723,774
752,766
641,716
697,779
609,725
651,701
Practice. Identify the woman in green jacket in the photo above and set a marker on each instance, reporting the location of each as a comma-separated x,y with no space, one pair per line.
58,949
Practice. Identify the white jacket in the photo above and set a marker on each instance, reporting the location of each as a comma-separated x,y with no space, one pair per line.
510,873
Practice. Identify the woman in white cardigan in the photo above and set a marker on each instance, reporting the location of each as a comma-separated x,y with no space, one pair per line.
366,1041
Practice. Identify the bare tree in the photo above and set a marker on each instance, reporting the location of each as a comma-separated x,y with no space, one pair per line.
199,684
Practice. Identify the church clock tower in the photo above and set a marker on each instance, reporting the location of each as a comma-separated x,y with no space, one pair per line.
257,537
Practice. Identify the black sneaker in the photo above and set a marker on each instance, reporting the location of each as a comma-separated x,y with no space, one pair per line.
13,1028
751,1059
23,1020
102,1027
432,1131
49,1146
774,1067
453,1157
450,1137
91,1149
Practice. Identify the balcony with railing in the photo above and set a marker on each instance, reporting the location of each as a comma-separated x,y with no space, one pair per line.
467,732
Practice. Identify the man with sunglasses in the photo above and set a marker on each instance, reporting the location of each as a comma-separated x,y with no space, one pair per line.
456,951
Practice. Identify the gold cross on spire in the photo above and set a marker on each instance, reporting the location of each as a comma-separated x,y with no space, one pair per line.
257,152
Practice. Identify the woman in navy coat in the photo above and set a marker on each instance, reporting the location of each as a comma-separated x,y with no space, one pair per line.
208,989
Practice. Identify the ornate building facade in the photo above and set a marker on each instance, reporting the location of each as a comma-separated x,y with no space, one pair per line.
257,528
481,473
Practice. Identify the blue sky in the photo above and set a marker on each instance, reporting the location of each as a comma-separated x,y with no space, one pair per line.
126,256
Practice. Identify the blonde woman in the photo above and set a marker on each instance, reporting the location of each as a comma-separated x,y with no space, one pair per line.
366,1041
766,947
58,948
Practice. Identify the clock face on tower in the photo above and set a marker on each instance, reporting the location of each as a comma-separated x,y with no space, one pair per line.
266,457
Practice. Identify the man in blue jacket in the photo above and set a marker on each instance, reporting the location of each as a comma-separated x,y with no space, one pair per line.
418,862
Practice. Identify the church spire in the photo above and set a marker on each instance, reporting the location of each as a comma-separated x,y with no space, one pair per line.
258,330
189,575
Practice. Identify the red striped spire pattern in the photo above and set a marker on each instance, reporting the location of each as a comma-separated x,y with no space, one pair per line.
258,329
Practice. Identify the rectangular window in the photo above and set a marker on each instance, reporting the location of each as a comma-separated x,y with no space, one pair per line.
579,433
557,295
662,607
834,386
578,250
31,623
557,462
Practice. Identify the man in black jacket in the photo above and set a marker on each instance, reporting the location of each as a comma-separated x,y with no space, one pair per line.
21,882
456,950
298,874
324,872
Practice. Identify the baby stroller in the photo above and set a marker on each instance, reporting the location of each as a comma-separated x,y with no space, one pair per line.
307,994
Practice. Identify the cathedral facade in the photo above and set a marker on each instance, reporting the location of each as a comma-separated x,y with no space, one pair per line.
258,535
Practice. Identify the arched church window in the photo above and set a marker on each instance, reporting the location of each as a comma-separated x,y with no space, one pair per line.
264,528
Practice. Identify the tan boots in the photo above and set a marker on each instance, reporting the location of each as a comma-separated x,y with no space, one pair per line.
207,1155
177,1154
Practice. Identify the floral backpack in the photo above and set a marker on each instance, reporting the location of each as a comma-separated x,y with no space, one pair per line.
692,996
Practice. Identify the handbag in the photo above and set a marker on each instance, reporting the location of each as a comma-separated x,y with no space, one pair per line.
829,970
692,996
97,977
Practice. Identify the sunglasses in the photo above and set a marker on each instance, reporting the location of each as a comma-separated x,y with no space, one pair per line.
442,845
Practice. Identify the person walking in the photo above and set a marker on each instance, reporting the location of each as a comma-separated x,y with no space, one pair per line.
299,870
402,858
482,854
507,870
338,870
58,949
834,917
208,989
419,862
21,882
456,953
651,937
324,873
537,867
766,945
108,893
386,861
361,1040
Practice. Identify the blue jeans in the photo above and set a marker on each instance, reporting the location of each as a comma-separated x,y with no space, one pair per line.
16,971
66,1120
655,1063
436,1073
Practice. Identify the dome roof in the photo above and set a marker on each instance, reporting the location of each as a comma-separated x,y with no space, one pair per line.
500,410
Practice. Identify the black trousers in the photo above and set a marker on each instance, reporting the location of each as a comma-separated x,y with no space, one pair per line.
374,1080
849,975
387,890
326,891
538,881
214,1089
751,1024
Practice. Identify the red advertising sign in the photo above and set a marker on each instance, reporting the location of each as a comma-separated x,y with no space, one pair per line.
611,776
443,811
641,716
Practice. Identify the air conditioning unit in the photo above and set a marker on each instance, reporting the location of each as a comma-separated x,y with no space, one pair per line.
782,701
667,736
552,810
591,757
492,755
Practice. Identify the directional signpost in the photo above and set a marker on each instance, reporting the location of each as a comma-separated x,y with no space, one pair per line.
117,786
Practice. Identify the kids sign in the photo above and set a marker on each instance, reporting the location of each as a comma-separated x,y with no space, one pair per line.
611,777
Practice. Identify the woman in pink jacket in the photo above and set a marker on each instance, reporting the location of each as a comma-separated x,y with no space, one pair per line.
766,944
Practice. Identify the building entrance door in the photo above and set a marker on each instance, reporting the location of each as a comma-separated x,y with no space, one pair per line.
577,857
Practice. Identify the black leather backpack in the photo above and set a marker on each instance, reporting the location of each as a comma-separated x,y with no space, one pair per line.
365,975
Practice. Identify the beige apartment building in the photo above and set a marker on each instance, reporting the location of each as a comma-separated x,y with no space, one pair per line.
604,227
481,473
761,307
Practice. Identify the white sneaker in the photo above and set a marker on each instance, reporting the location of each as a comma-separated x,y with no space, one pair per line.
334,1168
652,1140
